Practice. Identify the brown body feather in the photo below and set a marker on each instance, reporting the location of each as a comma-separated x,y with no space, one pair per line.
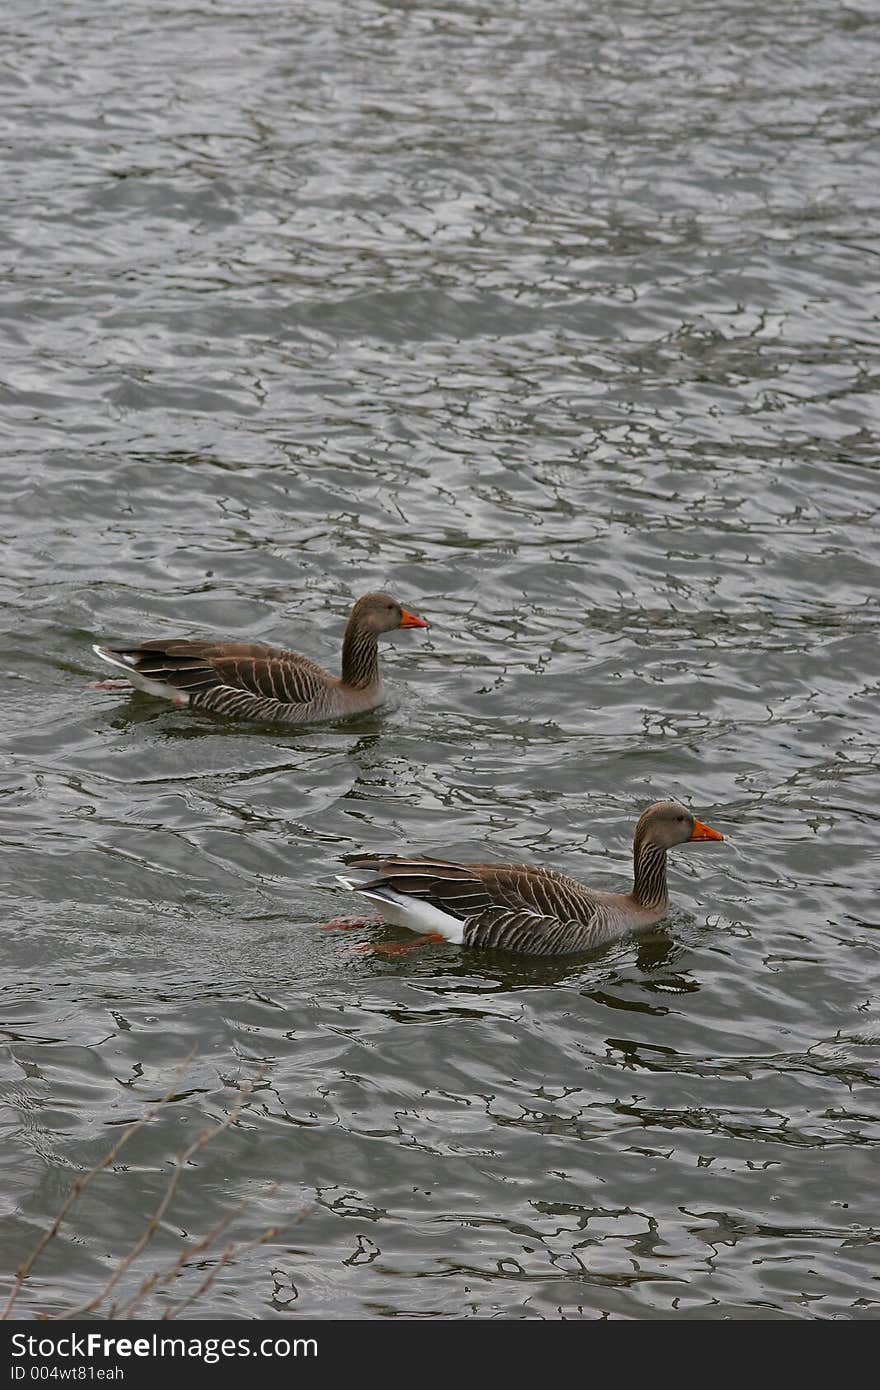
251,680
530,909
515,907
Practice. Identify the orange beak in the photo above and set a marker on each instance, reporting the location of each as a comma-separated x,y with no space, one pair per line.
705,832
410,620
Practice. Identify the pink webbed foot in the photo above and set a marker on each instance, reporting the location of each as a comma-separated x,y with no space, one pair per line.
351,923
398,948
110,685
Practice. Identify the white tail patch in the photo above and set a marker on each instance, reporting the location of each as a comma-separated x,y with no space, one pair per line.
150,687
412,913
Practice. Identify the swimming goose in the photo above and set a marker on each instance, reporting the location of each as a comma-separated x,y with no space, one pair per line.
520,907
249,680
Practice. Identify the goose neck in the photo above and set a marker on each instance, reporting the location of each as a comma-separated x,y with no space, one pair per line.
360,658
649,873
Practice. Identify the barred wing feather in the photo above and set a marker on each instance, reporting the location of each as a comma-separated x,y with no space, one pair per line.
508,906
251,667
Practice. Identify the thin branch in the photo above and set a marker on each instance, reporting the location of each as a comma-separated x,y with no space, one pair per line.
173,1271
79,1186
182,1160
176,1268
225,1256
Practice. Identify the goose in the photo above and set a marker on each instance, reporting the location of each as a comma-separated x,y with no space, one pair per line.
524,908
250,680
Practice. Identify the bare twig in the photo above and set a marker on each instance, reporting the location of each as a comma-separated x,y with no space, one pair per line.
81,1184
182,1160
225,1256
173,1271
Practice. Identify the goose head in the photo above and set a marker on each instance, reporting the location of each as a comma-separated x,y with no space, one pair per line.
377,613
668,823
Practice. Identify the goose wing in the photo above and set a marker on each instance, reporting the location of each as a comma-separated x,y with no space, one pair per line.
253,667
516,907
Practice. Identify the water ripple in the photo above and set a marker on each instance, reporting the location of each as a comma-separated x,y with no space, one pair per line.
563,332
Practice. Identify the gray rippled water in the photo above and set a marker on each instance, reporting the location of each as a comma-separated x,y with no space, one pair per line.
560,321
